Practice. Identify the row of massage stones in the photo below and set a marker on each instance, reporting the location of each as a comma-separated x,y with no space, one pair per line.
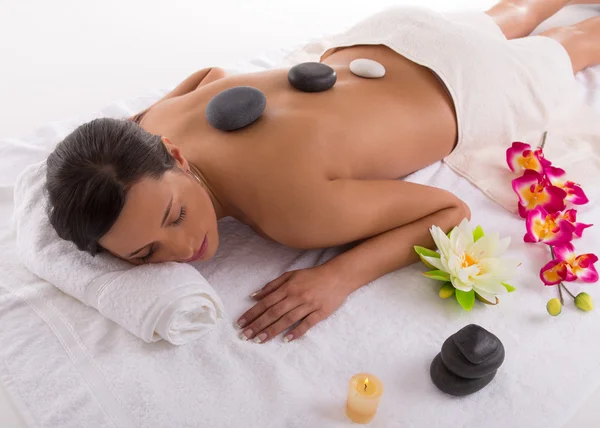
238,107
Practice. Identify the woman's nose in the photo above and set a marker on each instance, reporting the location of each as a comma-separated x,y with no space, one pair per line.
182,251
188,254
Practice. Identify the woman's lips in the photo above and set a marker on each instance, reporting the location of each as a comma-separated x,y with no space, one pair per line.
200,252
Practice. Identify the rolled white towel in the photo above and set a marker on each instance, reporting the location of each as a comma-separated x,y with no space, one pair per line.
171,300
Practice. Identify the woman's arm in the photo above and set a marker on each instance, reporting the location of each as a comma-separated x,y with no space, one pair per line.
407,211
396,215
199,78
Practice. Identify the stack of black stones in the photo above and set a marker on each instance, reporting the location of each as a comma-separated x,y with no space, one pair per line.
468,362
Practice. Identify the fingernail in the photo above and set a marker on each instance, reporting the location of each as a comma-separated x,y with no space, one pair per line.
288,338
255,293
246,335
240,323
260,338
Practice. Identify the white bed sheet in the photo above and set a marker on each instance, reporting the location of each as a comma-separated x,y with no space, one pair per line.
405,376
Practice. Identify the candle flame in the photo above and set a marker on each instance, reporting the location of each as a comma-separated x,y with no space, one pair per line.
366,383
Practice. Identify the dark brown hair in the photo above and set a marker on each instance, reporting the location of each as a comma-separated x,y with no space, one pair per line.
91,170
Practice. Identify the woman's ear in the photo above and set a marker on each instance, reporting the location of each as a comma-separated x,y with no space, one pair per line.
176,153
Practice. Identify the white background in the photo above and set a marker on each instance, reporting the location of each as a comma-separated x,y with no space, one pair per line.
61,58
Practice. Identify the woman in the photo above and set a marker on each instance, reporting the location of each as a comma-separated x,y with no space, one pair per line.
316,170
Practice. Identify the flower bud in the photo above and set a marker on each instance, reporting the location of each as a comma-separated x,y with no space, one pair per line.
447,290
554,307
584,302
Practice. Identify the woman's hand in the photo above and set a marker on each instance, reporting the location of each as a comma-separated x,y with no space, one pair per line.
304,296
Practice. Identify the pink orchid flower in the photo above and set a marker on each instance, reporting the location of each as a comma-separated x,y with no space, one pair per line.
568,266
575,194
520,157
571,217
556,271
551,229
534,192
581,266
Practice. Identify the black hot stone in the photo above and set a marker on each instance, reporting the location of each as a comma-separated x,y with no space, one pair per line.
456,362
312,77
452,384
235,108
476,343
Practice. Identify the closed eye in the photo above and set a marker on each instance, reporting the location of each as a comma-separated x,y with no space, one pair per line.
181,216
177,222
148,256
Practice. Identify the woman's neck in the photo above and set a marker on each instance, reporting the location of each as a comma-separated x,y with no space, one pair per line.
218,203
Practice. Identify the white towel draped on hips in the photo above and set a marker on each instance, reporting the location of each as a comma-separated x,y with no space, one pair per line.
503,91
170,301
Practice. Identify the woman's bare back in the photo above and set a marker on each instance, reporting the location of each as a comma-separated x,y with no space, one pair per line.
363,129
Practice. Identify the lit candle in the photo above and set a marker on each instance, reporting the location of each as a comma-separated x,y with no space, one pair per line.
364,393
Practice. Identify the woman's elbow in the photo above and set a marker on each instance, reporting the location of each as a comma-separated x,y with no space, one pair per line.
463,211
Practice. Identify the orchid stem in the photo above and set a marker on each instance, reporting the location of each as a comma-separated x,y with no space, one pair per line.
566,289
560,294
543,143
560,284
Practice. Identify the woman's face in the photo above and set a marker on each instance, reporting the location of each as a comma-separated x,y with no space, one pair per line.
170,219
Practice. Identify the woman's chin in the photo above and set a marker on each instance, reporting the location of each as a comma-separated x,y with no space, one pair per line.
213,246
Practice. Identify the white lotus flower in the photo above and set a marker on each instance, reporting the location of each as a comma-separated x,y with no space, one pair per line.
473,264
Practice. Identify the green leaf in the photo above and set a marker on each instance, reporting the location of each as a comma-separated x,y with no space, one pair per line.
487,302
466,299
426,252
508,287
438,275
477,233
422,251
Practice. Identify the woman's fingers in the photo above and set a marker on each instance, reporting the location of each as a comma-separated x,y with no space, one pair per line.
282,324
308,322
269,317
271,286
296,301
260,308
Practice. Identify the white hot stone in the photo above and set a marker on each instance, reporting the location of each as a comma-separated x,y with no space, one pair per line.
367,68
